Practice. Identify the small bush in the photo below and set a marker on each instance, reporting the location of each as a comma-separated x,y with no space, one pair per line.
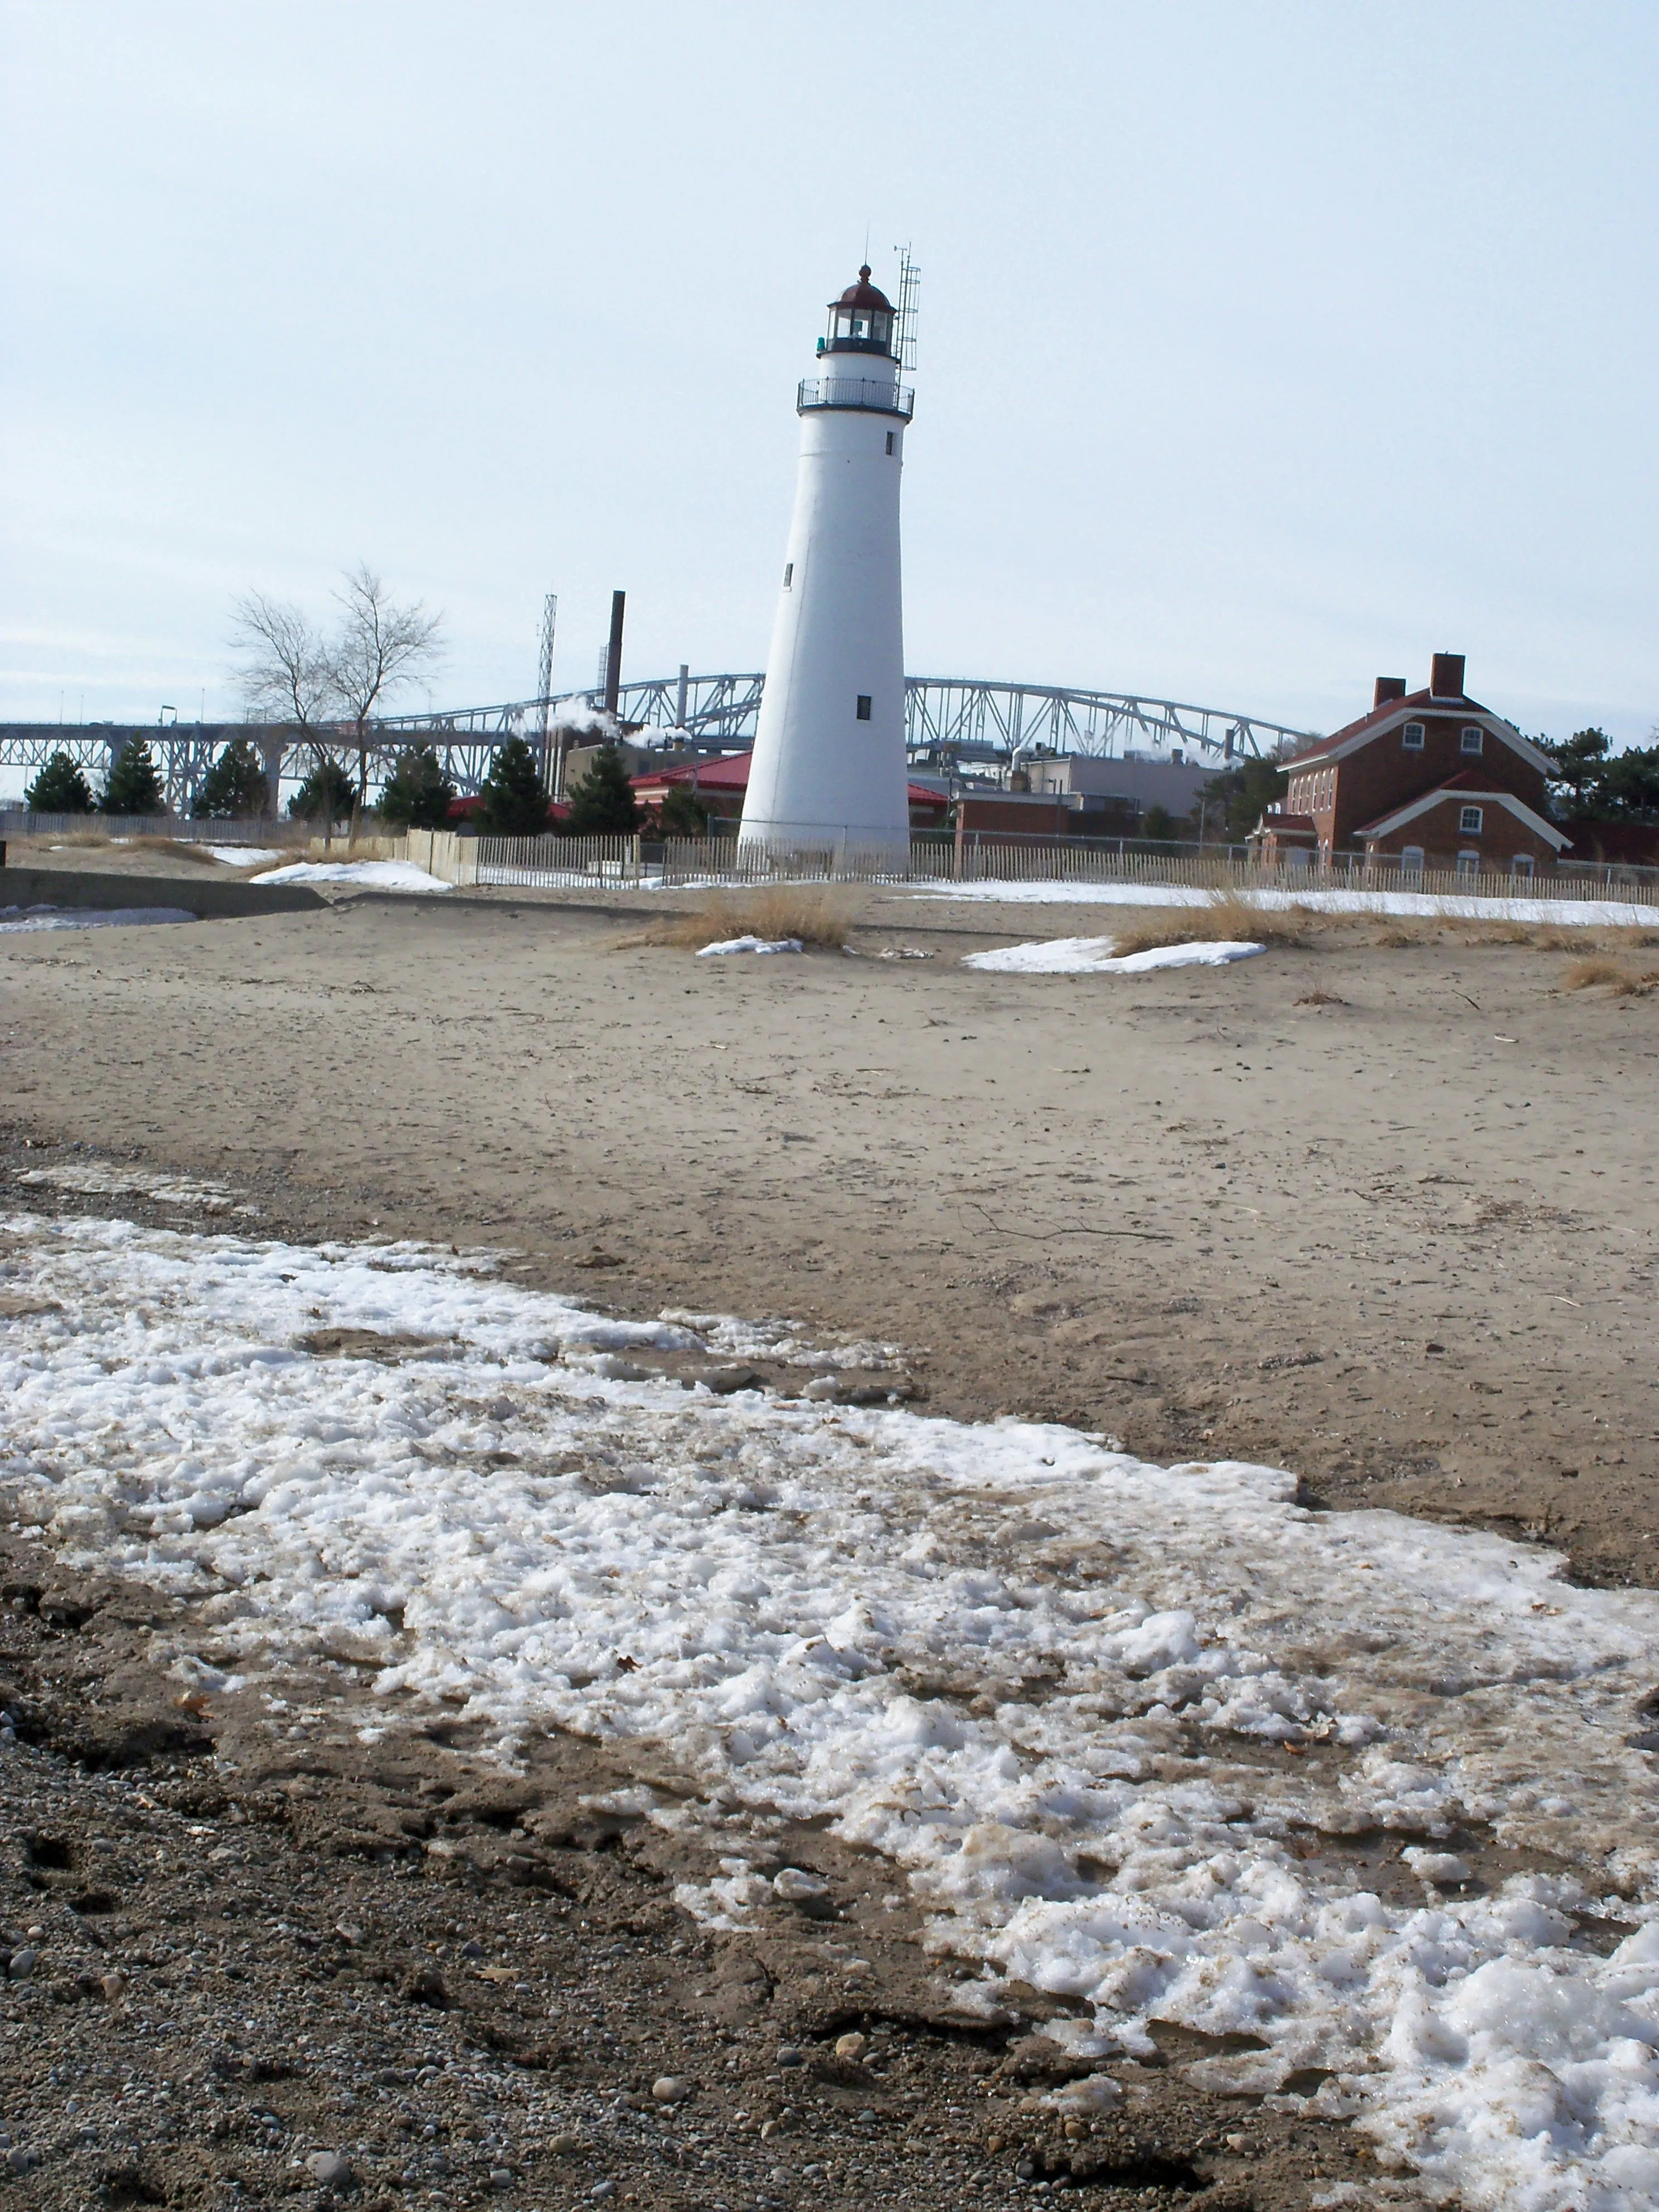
681,813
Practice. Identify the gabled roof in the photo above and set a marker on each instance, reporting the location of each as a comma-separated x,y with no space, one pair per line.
1394,712
1300,824
1467,785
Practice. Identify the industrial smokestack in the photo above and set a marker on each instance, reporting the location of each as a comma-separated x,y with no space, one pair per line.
613,656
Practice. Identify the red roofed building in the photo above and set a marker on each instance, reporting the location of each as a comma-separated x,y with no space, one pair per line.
720,785
1432,778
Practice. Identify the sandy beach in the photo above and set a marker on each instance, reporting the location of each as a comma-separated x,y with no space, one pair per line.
1374,1208
1383,1213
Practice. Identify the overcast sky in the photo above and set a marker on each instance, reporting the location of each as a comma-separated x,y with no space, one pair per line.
1264,349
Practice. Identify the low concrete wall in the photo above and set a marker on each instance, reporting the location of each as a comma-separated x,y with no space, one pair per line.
207,902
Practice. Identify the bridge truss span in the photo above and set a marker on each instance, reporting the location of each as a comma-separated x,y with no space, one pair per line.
942,713
947,718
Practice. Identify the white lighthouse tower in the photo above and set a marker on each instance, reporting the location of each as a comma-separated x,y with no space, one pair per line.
830,762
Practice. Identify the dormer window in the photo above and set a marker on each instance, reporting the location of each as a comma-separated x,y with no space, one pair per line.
1470,740
1412,737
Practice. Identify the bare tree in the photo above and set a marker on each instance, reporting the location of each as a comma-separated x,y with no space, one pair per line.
380,646
285,669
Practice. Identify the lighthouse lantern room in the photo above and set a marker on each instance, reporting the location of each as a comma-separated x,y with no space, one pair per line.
828,763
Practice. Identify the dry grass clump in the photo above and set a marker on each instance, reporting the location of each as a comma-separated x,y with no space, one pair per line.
1321,998
1226,917
1622,983
177,849
76,837
1617,937
817,914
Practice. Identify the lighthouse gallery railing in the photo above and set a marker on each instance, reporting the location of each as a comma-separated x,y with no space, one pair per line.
869,393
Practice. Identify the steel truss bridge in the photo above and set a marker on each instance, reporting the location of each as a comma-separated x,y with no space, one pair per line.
949,720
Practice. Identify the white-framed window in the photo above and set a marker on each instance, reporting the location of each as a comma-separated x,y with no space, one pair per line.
1412,737
1469,739
1411,860
1469,819
1521,865
1468,864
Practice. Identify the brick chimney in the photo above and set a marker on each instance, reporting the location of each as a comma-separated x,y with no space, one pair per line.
1446,675
1389,687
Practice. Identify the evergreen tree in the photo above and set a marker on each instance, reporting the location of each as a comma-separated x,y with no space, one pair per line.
1630,788
1236,801
60,788
603,805
514,804
683,814
328,781
418,795
1577,766
134,786
234,788
1160,825
1590,782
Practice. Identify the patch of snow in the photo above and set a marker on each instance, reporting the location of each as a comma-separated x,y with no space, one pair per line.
750,944
1598,914
246,856
15,921
112,1178
373,875
1048,1682
736,1338
1093,956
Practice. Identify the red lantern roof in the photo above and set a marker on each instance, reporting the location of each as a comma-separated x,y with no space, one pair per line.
864,295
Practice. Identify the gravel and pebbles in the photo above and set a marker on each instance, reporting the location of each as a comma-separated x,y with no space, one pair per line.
240,1971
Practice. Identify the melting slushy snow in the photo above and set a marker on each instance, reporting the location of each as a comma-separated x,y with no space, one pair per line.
749,944
1093,956
1053,1685
16,921
1442,906
373,875
109,1178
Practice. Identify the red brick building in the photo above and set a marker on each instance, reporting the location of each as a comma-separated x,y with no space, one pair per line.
720,785
1431,779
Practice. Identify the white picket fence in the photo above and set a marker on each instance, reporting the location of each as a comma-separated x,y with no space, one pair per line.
551,862
555,863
